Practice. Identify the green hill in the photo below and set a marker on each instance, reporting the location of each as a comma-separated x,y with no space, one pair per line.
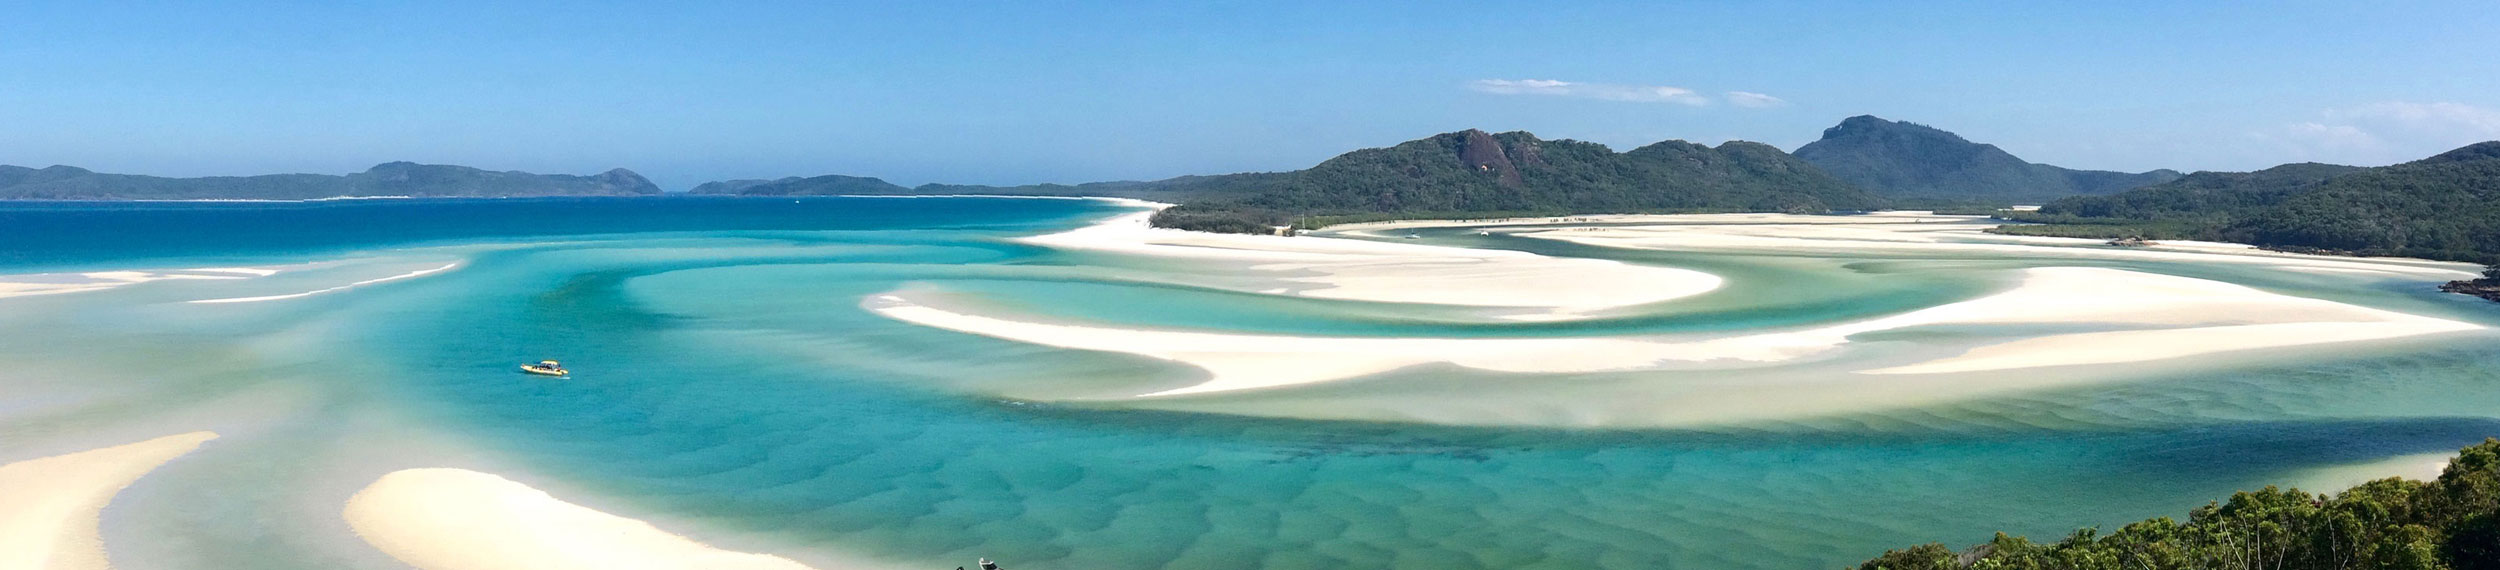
2442,207
1474,173
1912,161
387,179
1467,173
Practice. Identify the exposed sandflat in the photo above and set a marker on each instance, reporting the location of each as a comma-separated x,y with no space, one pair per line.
2173,317
1911,233
455,519
1548,287
49,507
58,283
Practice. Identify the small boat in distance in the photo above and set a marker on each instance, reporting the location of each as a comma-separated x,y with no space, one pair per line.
546,368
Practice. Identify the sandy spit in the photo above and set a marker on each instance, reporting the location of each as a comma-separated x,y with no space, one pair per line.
2161,317
50,507
456,519
1547,288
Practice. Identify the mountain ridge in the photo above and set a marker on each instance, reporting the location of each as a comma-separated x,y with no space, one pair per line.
400,178
1453,173
1901,159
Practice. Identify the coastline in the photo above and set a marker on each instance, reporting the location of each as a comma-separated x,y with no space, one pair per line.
1520,286
2111,316
50,506
456,519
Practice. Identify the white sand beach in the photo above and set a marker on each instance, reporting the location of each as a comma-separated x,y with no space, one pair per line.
2332,478
1900,233
408,275
1547,288
49,507
455,519
2177,317
58,283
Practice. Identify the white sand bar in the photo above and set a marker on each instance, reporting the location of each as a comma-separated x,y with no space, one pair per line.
2159,317
1548,287
58,283
455,519
408,275
1911,233
49,507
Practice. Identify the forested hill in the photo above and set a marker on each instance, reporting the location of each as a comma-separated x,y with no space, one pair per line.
388,179
1452,174
1908,160
1478,173
2442,207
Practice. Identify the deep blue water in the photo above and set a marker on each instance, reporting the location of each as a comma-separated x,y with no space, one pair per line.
41,234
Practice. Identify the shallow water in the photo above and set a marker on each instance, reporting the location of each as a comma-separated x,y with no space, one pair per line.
728,386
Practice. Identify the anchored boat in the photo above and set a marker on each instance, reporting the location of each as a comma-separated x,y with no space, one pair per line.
546,368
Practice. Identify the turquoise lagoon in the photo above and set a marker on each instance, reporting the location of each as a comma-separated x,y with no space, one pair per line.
730,387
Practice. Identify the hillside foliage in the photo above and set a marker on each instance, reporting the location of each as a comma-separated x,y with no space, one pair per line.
1474,173
1903,160
2452,523
2443,207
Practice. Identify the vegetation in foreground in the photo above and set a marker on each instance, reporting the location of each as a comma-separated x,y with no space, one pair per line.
2452,523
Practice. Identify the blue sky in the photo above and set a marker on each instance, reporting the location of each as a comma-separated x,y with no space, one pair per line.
1067,92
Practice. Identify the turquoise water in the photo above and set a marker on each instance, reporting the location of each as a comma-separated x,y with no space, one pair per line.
729,387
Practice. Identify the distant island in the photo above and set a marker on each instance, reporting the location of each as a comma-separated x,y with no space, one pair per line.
2443,207
387,179
1903,160
2449,523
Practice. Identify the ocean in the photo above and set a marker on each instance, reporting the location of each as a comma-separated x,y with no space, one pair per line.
729,386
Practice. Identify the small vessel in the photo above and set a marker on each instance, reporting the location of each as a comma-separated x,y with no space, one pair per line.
546,368
1413,236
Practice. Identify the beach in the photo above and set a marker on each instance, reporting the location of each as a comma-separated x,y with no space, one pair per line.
1532,287
1050,383
50,507
455,519
2125,316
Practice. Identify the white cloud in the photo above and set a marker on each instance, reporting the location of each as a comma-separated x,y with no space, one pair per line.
2384,133
1602,91
1754,100
2346,136
2447,120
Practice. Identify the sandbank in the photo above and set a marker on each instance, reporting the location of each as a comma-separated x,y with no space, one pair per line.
50,507
408,275
1546,288
2160,317
2335,478
58,283
1917,233
455,519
